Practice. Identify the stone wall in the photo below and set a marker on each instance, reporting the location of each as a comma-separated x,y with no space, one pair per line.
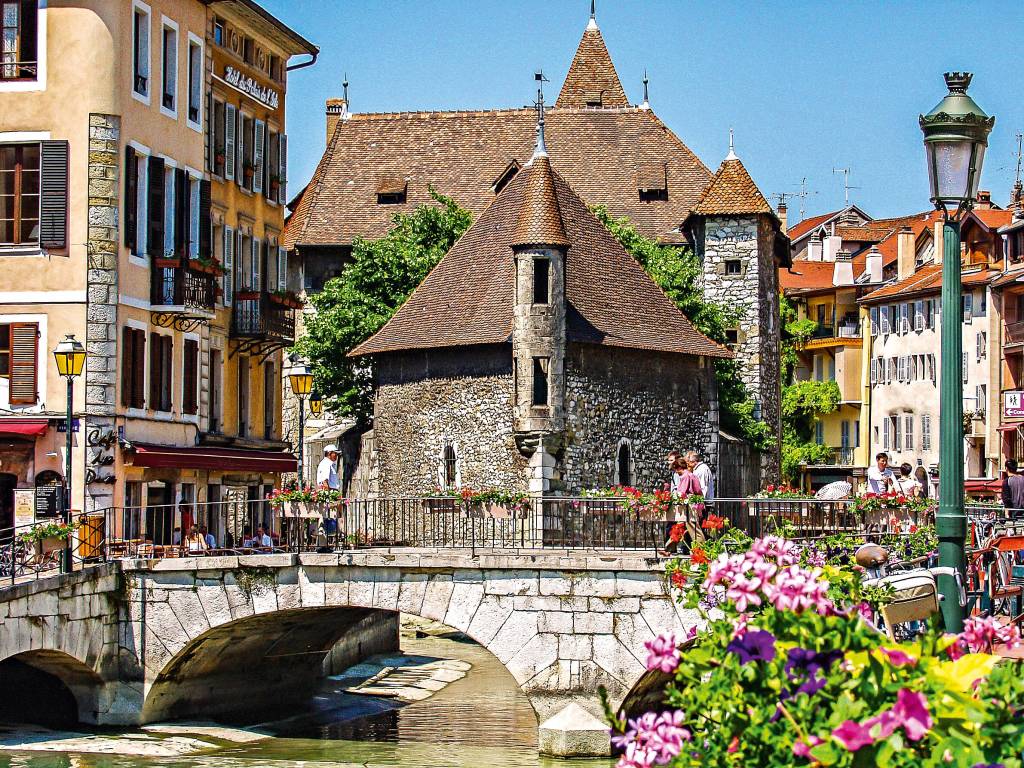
657,402
427,400
102,292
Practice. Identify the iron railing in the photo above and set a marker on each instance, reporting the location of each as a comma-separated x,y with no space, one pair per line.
18,70
183,287
843,329
257,316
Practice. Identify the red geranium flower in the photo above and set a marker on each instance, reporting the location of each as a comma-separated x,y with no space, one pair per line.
678,580
698,556
677,532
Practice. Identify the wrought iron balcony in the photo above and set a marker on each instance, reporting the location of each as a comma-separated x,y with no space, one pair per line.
177,289
844,329
259,316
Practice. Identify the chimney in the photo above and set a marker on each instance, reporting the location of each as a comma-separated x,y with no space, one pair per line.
905,255
984,201
873,265
337,109
782,217
833,243
937,238
842,273
814,248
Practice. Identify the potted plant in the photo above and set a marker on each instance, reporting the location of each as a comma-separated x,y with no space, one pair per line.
206,266
286,299
248,170
169,260
219,158
274,186
247,294
48,537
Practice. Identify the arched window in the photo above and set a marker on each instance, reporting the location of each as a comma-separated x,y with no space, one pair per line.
624,464
449,466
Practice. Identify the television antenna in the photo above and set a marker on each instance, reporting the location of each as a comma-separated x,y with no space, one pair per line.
846,182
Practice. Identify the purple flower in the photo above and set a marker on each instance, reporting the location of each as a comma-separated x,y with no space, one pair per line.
911,711
753,645
663,653
809,661
853,735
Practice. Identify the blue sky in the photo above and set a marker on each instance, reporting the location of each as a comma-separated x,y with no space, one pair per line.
807,86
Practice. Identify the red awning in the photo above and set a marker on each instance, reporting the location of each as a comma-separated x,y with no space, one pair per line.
983,486
198,457
23,427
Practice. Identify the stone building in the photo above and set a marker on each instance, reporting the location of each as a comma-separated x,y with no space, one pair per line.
538,356
740,243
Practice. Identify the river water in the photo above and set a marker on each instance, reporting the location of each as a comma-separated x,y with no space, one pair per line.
480,721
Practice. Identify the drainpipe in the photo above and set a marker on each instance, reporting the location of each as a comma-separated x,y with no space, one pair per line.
303,64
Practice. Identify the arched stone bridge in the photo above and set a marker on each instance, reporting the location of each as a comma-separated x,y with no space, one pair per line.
139,641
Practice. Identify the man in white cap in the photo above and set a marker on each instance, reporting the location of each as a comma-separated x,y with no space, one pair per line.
327,471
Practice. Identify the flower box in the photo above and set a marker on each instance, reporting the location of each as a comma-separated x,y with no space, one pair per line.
205,267
49,544
248,295
440,505
289,300
166,262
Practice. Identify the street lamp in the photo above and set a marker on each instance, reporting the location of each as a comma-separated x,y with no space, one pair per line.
955,137
301,380
316,403
70,357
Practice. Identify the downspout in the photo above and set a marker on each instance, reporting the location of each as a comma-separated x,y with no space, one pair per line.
303,64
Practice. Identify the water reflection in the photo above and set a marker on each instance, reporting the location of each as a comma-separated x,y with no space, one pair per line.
480,721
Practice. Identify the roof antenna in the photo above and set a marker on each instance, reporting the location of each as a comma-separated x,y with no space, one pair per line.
732,149
344,96
541,149
803,194
846,183
592,24
1017,189
646,104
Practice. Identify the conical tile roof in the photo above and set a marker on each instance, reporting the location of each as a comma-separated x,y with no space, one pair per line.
468,298
592,77
732,191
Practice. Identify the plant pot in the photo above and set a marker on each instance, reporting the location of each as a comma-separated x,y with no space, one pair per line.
248,173
204,269
219,160
498,511
164,262
49,544
248,295
275,190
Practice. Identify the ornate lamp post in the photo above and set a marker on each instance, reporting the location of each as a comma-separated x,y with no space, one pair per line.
955,137
316,403
300,377
70,357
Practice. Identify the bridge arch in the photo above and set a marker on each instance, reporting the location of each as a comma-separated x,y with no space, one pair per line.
53,688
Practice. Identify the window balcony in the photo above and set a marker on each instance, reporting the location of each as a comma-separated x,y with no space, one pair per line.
258,316
1014,333
182,290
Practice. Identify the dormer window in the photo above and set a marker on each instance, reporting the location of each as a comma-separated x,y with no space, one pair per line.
541,280
652,182
594,99
391,191
506,176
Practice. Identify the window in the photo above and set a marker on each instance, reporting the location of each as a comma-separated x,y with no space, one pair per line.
918,315
248,50
968,306
449,467
161,371
136,193
926,432
908,432
735,267
229,266
245,143
732,337
540,381
844,434
195,83
218,31
169,79
897,442
982,307
216,386
819,432
156,184
18,58
624,465
276,70
506,176
270,383
963,364
272,189
140,52
981,342
653,195
19,193
856,433
259,133
219,154
170,203
243,396
133,368
19,374
230,141
904,319
873,313
980,398
193,185
886,426
541,280
190,378
391,191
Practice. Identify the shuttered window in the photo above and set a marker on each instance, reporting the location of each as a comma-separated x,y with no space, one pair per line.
18,33
140,52
19,345
190,378
133,368
282,269
283,175
155,207
53,202
270,382
182,219
19,193
161,371
229,266
131,196
258,154
230,119
195,82
194,219
205,220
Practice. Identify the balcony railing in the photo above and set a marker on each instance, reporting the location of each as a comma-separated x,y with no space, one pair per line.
840,457
1014,332
257,316
183,287
844,329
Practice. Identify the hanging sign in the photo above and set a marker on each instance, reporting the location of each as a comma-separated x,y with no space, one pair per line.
264,94
1013,405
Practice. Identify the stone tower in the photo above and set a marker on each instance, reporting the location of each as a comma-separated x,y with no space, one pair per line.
739,241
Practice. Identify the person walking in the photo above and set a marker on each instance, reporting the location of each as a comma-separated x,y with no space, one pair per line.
684,484
327,470
1013,490
704,475
921,475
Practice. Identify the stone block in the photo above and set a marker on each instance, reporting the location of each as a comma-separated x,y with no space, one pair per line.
596,584
555,621
465,599
386,589
615,604
537,654
639,584
512,583
592,623
514,634
413,590
617,660
437,597
555,584
490,616
575,647
574,732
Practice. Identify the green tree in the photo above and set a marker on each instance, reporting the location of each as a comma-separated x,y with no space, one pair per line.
355,305
677,271
803,403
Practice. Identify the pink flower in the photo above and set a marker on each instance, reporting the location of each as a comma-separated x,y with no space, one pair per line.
853,735
886,722
981,634
744,592
898,658
663,653
911,711
803,748
652,739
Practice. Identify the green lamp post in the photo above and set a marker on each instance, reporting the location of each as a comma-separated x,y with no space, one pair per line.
70,358
300,377
955,137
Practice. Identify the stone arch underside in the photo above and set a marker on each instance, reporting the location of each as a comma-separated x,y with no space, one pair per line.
33,686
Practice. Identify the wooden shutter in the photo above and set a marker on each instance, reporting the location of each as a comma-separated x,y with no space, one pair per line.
127,365
230,115
190,372
155,372
155,207
167,369
240,148
24,363
182,217
282,269
283,175
205,221
138,399
53,197
229,266
257,264
258,153
131,197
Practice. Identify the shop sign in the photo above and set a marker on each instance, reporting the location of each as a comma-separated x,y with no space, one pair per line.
48,500
62,425
24,509
264,94
1013,405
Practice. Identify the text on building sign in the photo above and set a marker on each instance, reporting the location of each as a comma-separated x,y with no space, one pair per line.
262,93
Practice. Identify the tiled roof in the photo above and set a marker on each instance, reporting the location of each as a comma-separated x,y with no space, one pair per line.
468,297
927,279
539,221
800,229
993,218
813,275
592,76
732,191
600,152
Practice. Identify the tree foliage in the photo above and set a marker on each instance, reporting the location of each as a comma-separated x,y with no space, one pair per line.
803,402
355,305
677,271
